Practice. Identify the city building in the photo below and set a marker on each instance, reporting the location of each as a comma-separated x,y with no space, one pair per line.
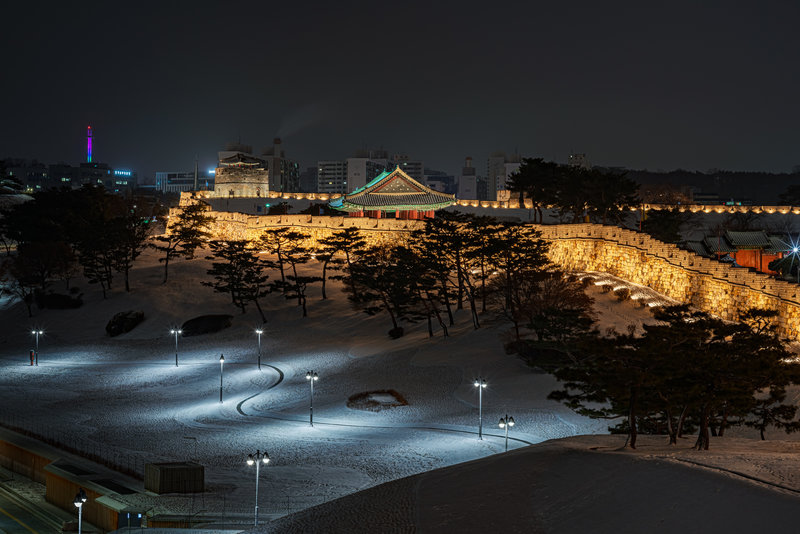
332,176
499,167
284,174
415,169
308,180
176,182
440,181
468,182
352,173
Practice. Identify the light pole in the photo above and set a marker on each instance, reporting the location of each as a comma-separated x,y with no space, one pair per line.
176,332
221,361
36,333
795,251
312,377
480,383
80,498
257,459
506,422
259,332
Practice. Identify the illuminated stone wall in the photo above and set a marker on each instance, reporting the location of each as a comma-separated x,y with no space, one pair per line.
706,284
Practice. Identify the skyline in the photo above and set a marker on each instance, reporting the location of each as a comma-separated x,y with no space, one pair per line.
638,87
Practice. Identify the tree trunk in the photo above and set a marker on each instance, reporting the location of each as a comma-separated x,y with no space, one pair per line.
303,300
166,267
681,420
324,278
702,435
260,311
446,299
430,325
460,278
632,420
724,421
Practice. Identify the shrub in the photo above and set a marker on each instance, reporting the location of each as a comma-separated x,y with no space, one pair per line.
622,294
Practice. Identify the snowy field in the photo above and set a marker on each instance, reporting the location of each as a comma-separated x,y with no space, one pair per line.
125,399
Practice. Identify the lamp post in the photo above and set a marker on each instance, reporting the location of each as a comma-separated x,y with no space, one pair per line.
176,332
795,251
480,383
259,332
257,459
312,377
80,498
221,362
36,333
506,422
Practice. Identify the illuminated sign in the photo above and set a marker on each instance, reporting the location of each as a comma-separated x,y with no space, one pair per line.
122,173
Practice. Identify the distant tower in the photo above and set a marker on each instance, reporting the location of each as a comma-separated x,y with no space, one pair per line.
89,144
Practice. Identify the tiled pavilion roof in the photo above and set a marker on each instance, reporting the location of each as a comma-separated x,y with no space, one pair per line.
393,191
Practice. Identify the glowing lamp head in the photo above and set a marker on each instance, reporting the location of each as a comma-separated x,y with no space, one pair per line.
311,375
511,421
250,460
259,331
794,250
265,458
502,423
80,498
221,359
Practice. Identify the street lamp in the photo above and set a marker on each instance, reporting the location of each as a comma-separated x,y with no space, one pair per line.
312,377
221,361
176,332
480,383
36,333
506,422
795,251
257,459
80,498
259,332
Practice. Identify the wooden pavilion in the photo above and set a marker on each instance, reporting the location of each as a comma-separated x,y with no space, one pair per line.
393,194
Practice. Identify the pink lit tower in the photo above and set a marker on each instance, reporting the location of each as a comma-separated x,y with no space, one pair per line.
89,144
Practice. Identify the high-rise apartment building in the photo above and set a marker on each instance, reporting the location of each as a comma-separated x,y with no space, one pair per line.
499,167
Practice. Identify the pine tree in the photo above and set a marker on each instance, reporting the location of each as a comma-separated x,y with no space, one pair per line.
240,273
185,235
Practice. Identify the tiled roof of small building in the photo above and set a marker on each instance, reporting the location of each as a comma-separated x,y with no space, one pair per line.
718,245
754,239
777,245
697,247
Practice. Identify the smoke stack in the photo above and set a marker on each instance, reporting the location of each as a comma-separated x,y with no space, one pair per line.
277,147
468,162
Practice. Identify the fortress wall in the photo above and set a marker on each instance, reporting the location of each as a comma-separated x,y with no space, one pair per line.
706,284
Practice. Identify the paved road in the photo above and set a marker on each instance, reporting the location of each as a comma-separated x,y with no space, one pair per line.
18,517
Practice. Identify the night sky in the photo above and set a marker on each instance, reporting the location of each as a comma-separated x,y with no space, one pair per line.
629,84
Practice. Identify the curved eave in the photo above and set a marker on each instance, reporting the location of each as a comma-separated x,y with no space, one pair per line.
349,206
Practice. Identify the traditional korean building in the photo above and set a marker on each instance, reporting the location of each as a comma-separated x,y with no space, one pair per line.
393,194
241,175
754,249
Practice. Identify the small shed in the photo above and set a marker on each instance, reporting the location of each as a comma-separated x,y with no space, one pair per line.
174,477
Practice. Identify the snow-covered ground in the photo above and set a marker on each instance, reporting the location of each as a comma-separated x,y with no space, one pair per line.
124,397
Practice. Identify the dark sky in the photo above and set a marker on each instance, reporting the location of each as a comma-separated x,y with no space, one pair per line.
629,84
